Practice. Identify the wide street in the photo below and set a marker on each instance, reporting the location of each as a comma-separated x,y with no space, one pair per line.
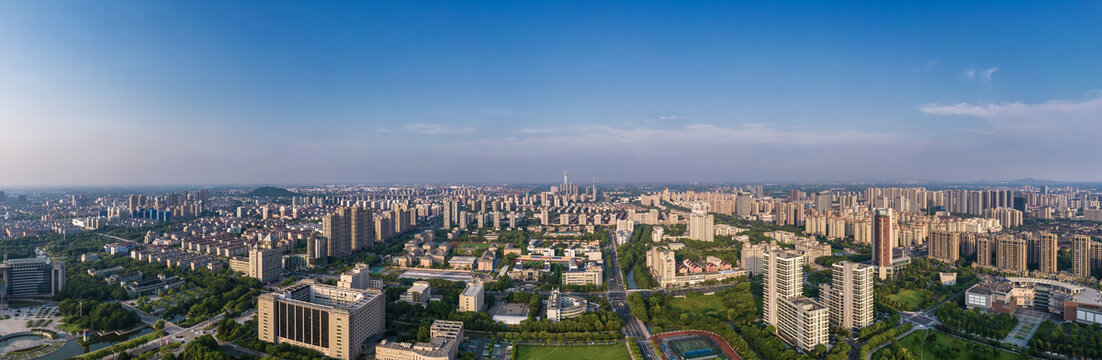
617,296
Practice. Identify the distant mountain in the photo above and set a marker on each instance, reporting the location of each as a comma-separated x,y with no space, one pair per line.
269,191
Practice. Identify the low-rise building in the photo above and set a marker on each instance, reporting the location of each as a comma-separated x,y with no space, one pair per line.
471,299
565,307
443,345
418,294
1074,302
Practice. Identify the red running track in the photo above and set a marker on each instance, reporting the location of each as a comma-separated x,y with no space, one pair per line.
723,345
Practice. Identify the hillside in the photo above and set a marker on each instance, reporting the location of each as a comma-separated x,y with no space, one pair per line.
270,191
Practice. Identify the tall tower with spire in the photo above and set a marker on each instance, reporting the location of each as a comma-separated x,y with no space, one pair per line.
564,182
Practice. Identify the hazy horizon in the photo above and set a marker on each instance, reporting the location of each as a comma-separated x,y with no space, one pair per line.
133,93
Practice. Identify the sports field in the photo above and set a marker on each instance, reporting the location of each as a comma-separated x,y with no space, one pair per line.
693,344
696,347
606,352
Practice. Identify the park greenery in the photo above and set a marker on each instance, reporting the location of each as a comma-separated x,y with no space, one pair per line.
993,326
929,344
917,286
203,295
878,327
1068,339
96,316
633,257
882,338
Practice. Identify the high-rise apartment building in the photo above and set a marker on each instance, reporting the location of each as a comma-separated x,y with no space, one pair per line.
337,228
882,237
824,201
333,321
804,322
265,265
945,246
1046,253
360,228
800,321
1011,254
753,258
1080,254
783,279
850,294
662,263
742,204
702,226
985,246
348,230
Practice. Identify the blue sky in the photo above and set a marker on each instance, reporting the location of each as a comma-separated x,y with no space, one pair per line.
142,92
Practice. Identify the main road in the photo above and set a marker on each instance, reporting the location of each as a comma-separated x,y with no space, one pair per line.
617,296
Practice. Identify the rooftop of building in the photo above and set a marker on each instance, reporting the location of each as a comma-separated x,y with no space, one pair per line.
325,296
472,289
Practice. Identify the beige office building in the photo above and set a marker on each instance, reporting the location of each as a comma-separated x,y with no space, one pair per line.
850,294
359,278
418,294
1046,252
471,299
592,275
333,321
1081,255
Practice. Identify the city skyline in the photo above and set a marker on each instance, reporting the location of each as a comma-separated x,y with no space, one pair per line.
133,93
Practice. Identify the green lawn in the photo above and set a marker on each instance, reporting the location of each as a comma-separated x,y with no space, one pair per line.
911,299
946,347
607,352
698,303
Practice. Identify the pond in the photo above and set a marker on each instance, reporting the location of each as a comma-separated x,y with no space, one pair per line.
20,342
73,347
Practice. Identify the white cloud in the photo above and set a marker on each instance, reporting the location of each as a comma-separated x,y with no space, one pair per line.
986,74
1063,118
930,65
982,75
437,129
